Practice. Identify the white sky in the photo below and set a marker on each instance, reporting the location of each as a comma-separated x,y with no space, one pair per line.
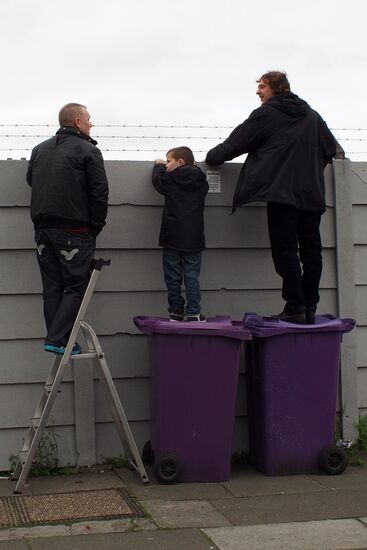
169,62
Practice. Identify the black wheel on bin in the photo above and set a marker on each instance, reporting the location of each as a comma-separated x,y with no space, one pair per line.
167,469
147,454
333,461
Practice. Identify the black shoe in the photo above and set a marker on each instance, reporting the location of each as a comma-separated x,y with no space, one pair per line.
310,315
299,318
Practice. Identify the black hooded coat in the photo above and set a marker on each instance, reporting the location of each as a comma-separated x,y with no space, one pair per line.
184,190
288,146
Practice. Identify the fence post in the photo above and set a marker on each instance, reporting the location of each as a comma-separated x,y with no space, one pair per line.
346,300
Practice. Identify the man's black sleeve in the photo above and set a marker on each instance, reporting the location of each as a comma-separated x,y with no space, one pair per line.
30,169
245,138
97,190
328,142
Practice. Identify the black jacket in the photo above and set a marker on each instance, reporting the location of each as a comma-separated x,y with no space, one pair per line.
69,183
184,190
288,146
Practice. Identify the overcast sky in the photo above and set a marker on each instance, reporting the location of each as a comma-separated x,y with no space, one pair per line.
169,62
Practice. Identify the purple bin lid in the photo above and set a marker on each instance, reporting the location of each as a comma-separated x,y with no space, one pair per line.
271,326
214,326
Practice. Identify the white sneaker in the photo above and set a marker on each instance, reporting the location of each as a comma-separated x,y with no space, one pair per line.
199,317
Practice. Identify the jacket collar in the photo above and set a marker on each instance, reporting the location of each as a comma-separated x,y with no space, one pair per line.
75,132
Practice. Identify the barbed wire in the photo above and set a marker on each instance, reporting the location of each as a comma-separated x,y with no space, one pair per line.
148,136
152,150
198,126
116,137
144,137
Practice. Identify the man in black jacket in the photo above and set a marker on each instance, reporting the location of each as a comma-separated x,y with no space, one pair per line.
288,146
68,210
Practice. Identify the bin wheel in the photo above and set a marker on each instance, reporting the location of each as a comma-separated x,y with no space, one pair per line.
167,469
333,461
147,454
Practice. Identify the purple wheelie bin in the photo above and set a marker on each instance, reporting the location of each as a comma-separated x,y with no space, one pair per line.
194,376
292,374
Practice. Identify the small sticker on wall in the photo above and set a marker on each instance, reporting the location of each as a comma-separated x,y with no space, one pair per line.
214,181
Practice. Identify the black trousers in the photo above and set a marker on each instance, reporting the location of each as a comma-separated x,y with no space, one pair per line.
295,239
64,258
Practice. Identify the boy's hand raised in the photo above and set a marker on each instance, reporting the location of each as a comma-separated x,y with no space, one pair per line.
159,161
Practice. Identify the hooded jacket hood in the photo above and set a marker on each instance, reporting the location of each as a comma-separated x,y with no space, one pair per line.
188,177
289,104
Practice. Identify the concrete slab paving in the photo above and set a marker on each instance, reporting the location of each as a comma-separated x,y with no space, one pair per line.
181,491
105,479
14,545
352,477
6,487
362,493
19,533
188,513
184,539
285,508
78,528
249,482
112,526
314,535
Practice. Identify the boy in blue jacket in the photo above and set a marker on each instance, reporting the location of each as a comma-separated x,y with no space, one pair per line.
184,187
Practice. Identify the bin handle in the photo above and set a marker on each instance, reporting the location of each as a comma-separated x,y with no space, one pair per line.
142,321
349,324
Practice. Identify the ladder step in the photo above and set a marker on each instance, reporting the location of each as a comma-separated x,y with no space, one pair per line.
87,355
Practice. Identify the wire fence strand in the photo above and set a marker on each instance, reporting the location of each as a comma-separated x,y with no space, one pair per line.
130,142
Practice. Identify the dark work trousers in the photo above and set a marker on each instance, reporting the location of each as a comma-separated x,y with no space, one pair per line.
295,239
179,266
64,258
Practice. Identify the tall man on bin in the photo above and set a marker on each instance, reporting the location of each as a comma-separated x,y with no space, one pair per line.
288,146
68,210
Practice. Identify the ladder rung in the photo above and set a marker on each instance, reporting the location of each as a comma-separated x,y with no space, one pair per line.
87,355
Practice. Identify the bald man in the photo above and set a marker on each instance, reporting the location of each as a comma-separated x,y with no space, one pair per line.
68,210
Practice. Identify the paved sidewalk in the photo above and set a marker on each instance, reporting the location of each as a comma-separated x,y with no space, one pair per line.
249,512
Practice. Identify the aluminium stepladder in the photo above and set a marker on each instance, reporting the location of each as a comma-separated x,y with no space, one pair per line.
52,387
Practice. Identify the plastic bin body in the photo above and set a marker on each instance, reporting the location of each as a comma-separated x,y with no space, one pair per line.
292,380
194,379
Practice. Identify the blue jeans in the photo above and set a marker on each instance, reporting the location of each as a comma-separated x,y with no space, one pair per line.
177,267
64,259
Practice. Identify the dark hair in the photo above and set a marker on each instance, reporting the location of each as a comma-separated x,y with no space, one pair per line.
183,153
277,81
69,112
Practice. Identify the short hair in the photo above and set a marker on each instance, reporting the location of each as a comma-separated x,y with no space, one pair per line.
183,153
277,81
69,112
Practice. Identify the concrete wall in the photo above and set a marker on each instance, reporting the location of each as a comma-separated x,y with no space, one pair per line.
237,276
